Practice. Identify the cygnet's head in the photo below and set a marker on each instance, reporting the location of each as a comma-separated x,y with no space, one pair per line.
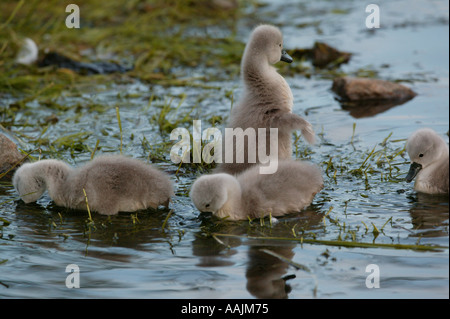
424,147
29,186
209,192
268,41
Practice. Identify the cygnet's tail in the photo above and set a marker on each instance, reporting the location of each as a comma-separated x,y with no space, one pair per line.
308,132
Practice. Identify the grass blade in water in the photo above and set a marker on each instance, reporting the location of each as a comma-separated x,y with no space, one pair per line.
286,260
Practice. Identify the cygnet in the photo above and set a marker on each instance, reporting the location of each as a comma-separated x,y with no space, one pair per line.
429,162
255,195
266,100
112,183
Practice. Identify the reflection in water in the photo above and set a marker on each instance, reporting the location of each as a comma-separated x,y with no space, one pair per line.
53,227
369,108
430,213
213,253
265,273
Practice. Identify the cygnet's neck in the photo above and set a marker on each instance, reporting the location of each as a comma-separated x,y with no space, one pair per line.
55,175
256,69
263,82
232,206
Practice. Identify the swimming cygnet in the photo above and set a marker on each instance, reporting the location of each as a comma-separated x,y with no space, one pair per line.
429,162
256,195
112,183
266,100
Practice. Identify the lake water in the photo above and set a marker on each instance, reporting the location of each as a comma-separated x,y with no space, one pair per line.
171,253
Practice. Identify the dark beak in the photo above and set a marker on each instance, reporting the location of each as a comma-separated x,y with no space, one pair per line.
413,170
286,57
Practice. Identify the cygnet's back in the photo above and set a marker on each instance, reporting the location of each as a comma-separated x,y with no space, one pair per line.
290,189
266,100
118,183
429,156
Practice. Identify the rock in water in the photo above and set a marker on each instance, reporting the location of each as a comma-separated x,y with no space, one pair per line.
364,89
9,156
324,55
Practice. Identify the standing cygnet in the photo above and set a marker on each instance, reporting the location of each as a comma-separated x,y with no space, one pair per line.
266,100
256,195
429,162
112,183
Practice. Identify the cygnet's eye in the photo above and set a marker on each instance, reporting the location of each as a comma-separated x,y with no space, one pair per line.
279,45
420,155
207,206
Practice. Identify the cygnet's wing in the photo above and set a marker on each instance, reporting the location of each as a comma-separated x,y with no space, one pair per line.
291,121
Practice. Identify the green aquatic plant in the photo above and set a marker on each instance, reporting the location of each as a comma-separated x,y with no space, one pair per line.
120,128
90,220
169,117
339,243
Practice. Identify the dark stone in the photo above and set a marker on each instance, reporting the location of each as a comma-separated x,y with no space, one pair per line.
365,89
101,67
10,157
322,55
364,97
325,55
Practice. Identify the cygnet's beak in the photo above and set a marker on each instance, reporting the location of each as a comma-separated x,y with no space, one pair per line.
286,57
413,170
